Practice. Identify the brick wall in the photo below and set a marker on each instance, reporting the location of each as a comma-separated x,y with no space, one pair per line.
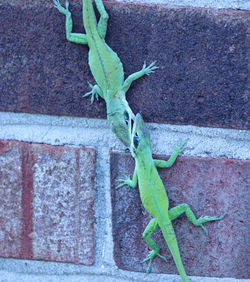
60,213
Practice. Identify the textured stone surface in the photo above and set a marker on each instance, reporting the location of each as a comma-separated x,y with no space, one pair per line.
201,54
210,187
48,211
10,200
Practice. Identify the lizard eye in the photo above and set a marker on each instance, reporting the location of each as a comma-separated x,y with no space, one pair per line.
126,115
136,140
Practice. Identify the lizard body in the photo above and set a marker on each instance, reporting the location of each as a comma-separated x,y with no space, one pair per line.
105,66
154,197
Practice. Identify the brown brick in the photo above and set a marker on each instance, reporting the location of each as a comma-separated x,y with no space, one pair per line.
211,187
52,189
201,54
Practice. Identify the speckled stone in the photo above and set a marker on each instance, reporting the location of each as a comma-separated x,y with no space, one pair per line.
10,200
53,202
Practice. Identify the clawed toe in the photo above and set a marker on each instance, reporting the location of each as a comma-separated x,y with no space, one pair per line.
151,256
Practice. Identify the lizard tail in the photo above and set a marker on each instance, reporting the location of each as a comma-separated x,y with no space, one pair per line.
169,236
89,18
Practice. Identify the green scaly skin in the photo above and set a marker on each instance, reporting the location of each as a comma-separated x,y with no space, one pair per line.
105,66
154,197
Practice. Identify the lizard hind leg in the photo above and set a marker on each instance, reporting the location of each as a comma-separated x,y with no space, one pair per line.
72,37
103,21
184,208
150,229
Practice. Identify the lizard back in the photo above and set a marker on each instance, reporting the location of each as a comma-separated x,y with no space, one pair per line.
104,63
152,191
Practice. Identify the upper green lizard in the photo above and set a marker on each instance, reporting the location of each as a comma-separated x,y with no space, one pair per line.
105,66
154,197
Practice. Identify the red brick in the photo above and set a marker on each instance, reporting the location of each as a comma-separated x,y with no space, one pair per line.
211,187
52,189
201,54
10,200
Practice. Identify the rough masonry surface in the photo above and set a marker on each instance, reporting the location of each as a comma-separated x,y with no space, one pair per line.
47,196
201,54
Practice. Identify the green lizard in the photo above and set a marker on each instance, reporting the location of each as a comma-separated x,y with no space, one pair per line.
154,197
105,66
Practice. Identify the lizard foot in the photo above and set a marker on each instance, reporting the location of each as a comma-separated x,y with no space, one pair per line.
150,69
93,93
123,182
151,256
181,145
60,8
204,219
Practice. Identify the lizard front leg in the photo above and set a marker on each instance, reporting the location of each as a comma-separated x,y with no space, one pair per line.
95,91
178,149
145,70
72,37
127,181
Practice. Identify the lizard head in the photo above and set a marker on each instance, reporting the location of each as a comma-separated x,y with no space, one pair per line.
120,123
140,138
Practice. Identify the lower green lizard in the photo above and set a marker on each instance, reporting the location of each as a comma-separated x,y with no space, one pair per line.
154,197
